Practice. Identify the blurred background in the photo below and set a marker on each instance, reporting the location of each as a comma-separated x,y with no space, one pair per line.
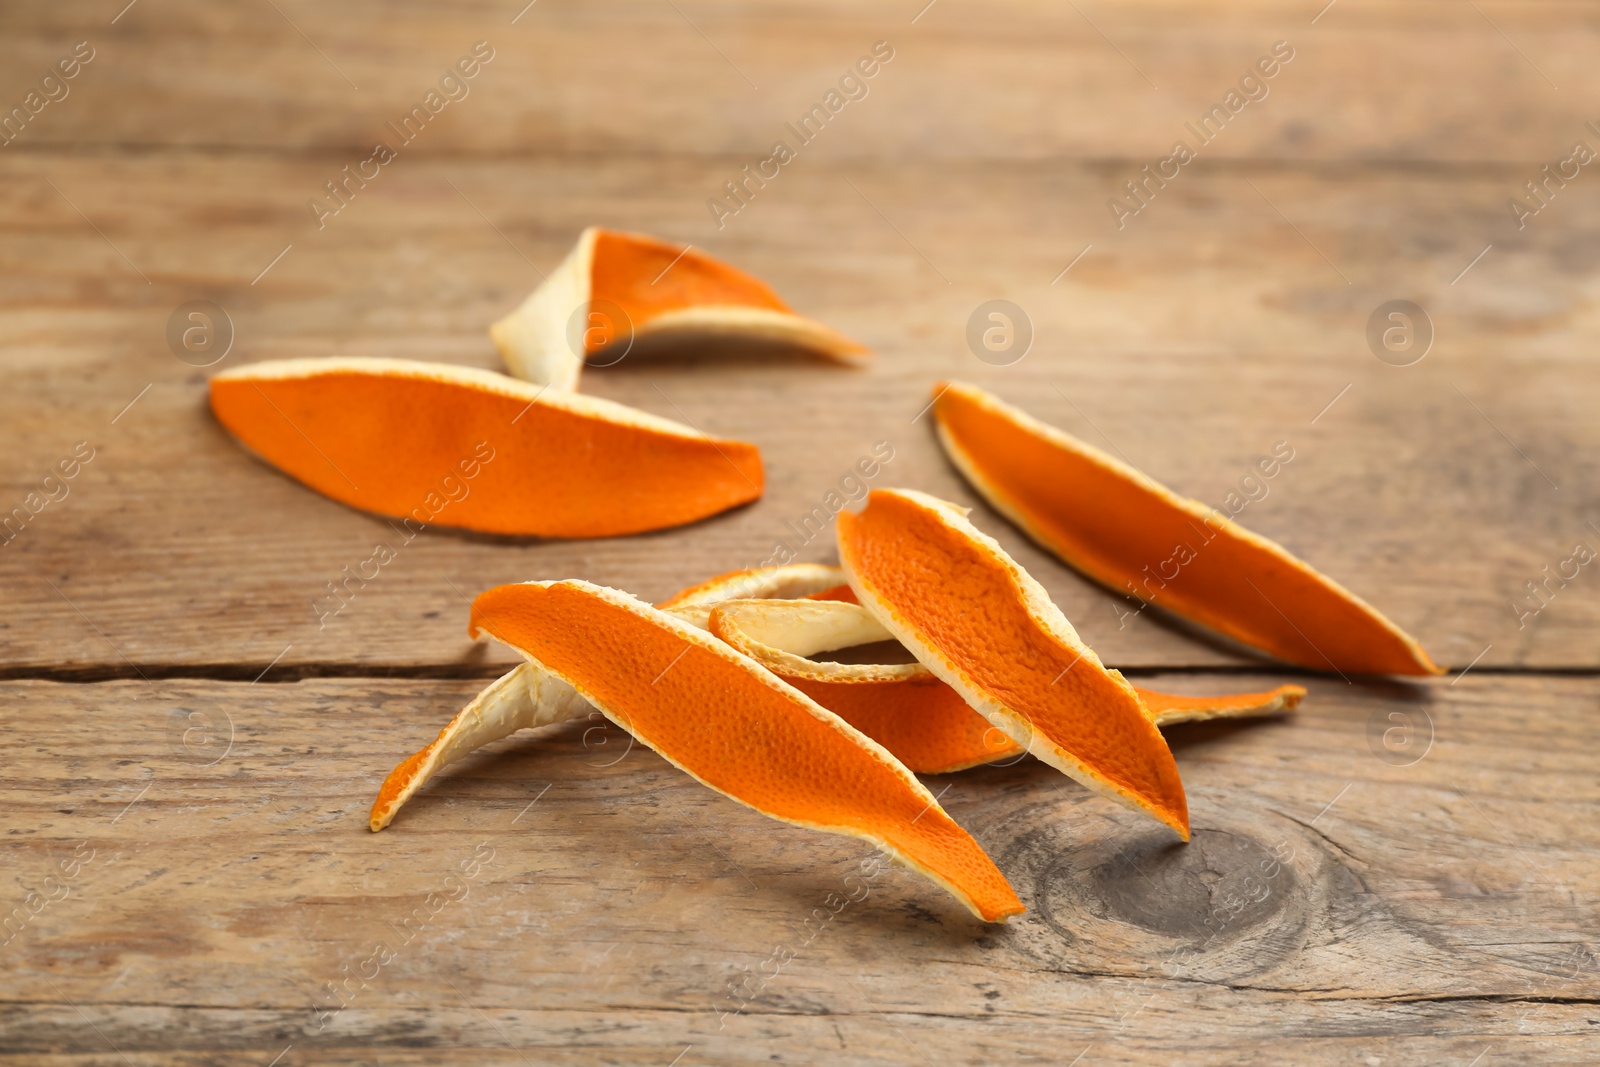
984,160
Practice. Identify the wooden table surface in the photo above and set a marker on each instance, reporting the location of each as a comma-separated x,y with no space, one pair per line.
189,753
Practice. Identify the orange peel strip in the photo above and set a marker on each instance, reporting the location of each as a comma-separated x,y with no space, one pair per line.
727,722
785,582
1165,709
1123,529
985,627
904,707
528,697
519,700
923,722
656,288
456,446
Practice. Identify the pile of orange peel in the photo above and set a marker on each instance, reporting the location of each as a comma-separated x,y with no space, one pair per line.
724,679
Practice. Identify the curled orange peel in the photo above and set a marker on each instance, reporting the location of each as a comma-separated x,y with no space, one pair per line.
520,700
528,697
904,707
985,627
926,724
1137,537
733,726
456,446
785,582
614,287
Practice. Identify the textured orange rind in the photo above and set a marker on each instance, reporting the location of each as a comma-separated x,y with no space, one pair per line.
1127,531
528,697
904,707
654,288
733,726
985,627
456,446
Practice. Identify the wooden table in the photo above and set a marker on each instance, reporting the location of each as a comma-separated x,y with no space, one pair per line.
189,756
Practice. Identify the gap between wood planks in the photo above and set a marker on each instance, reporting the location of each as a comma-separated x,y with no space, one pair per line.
297,672
775,1012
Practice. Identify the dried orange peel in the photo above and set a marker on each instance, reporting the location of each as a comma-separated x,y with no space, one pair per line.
786,582
1126,531
904,707
985,627
528,697
1164,708
456,446
520,700
615,287
732,725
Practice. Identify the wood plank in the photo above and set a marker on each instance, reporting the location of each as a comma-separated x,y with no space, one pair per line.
1016,80
1206,331
1394,875
1343,899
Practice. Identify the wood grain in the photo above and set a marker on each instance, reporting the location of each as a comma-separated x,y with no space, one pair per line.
1395,875
1013,80
1190,345
1335,895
